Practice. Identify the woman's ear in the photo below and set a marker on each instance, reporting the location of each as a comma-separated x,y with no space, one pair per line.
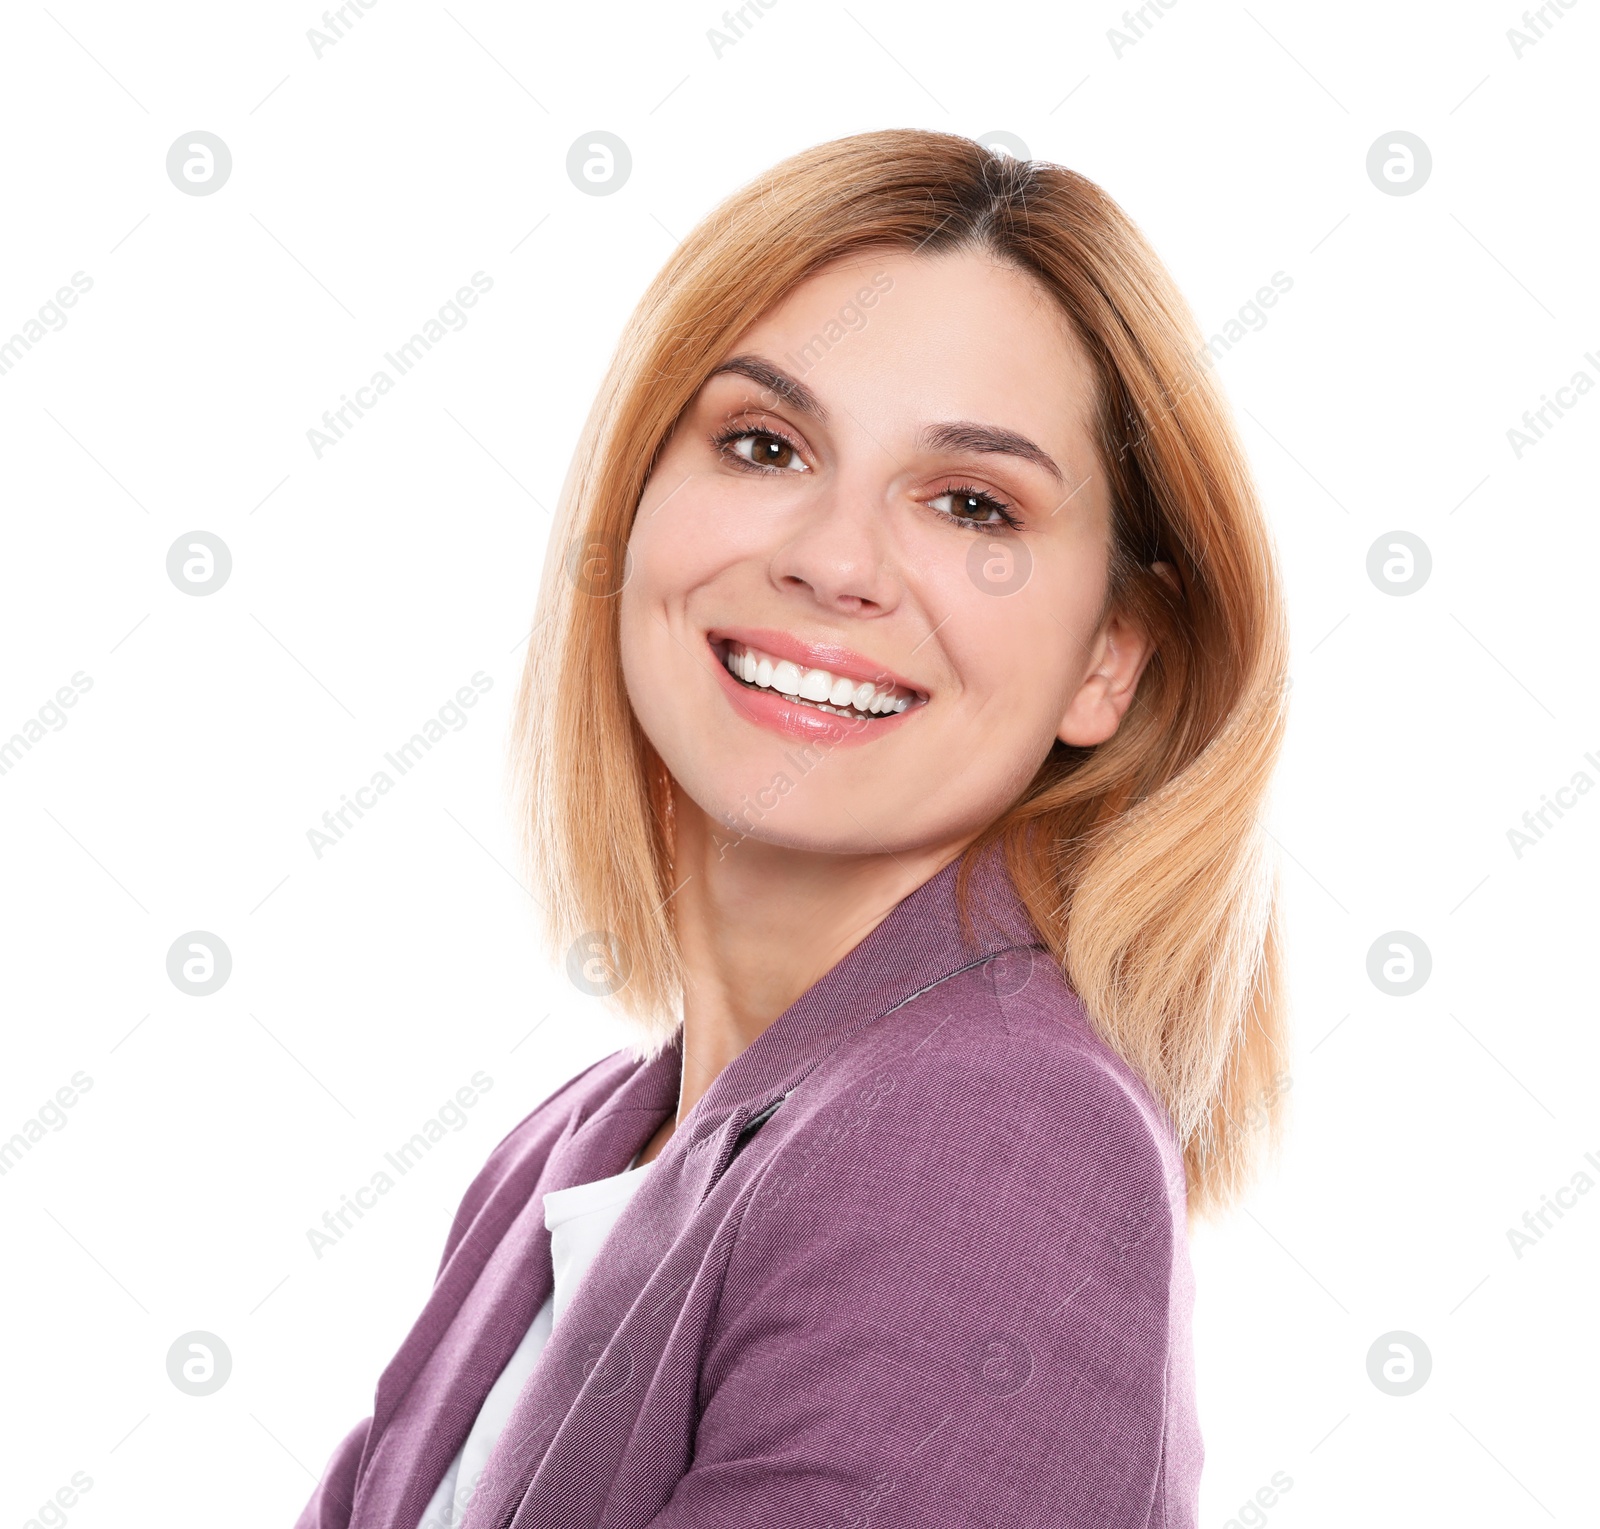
1118,655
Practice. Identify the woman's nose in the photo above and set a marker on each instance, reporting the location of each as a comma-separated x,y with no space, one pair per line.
841,552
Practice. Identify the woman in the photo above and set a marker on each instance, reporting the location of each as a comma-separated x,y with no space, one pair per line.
908,679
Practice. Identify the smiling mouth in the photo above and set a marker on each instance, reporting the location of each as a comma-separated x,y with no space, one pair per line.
821,689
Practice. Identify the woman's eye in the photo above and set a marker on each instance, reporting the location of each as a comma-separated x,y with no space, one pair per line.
971,507
762,449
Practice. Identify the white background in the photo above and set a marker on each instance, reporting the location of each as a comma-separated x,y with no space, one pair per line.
368,184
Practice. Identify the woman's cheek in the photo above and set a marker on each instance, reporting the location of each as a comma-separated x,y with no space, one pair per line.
689,536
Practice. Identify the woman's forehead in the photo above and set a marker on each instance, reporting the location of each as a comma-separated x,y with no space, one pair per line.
912,339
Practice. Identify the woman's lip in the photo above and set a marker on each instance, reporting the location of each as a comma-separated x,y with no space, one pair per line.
833,657
774,711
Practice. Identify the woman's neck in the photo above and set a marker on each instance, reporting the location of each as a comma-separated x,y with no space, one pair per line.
758,924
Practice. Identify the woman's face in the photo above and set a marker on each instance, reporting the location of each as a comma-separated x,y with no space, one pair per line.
886,511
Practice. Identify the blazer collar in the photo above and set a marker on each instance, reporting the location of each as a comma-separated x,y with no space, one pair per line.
919,944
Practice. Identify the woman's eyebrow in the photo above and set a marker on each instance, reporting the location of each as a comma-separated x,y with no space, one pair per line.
790,389
954,435
966,435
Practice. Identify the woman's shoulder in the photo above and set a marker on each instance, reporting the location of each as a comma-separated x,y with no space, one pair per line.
583,1093
998,1070
977,1149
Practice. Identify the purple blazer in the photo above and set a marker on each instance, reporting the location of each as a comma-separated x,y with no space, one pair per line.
918,1257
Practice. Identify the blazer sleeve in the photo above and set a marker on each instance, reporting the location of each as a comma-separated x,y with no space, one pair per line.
948,1304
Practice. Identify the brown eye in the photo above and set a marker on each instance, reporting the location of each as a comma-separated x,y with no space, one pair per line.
762,449
769,451
973,508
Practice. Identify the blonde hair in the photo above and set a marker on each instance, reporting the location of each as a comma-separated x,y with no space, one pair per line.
1141,861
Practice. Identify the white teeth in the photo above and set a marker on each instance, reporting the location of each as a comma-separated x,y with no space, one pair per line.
828,691
816,685
786,677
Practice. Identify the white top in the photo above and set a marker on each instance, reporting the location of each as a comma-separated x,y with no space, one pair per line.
579,1219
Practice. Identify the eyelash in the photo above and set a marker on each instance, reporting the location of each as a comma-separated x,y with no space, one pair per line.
725,438
966,491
